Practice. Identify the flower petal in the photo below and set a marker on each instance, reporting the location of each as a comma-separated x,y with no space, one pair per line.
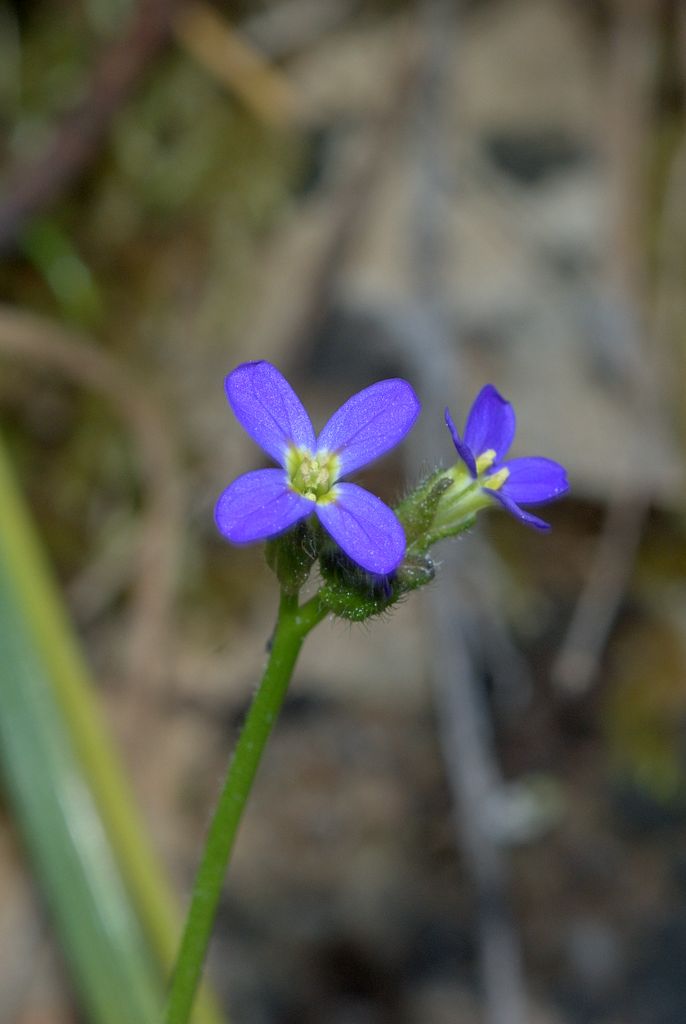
365,528
513,508
463,450
491,423
258,505
533,481
370,423
268,408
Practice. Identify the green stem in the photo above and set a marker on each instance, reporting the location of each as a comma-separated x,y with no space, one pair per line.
292,626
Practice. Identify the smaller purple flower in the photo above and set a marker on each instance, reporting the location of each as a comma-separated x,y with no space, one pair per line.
488,434
266,502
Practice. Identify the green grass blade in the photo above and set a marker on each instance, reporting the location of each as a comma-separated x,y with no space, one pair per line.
62,828
56,659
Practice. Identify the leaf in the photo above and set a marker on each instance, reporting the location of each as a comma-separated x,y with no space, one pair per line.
112,907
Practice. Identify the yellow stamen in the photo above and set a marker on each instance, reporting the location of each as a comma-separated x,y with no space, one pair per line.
496,480
313,476
485,460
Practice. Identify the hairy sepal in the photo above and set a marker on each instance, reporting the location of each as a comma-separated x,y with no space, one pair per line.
416,512
291,556
355,595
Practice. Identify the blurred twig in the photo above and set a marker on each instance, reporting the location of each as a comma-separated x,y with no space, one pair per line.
302,289
44,345
202,30
30,189
630,81
462,716
669,308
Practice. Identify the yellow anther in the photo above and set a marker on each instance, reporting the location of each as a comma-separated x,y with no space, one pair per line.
485,460
496,481
311,476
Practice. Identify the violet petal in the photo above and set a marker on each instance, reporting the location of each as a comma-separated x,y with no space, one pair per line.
463,450
268,408
259,504
513,508
534,480
491,423
370,423
365,528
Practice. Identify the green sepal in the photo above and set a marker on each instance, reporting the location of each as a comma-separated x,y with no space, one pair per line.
291,556
353,594
417,511
415,572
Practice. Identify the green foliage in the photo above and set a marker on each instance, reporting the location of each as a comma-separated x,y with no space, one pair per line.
113,967
171,160
104,887
53,254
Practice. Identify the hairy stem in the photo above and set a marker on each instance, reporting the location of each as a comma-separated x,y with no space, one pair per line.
293,624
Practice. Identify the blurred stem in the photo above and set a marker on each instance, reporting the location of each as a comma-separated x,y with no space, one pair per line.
293,624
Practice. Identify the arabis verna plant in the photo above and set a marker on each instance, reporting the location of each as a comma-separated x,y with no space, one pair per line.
368,555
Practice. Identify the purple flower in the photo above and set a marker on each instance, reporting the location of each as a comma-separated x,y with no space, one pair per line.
266,502
488,435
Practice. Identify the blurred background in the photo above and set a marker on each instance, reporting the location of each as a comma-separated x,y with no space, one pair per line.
472,810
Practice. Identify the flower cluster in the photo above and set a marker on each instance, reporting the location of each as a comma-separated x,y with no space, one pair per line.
310,479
